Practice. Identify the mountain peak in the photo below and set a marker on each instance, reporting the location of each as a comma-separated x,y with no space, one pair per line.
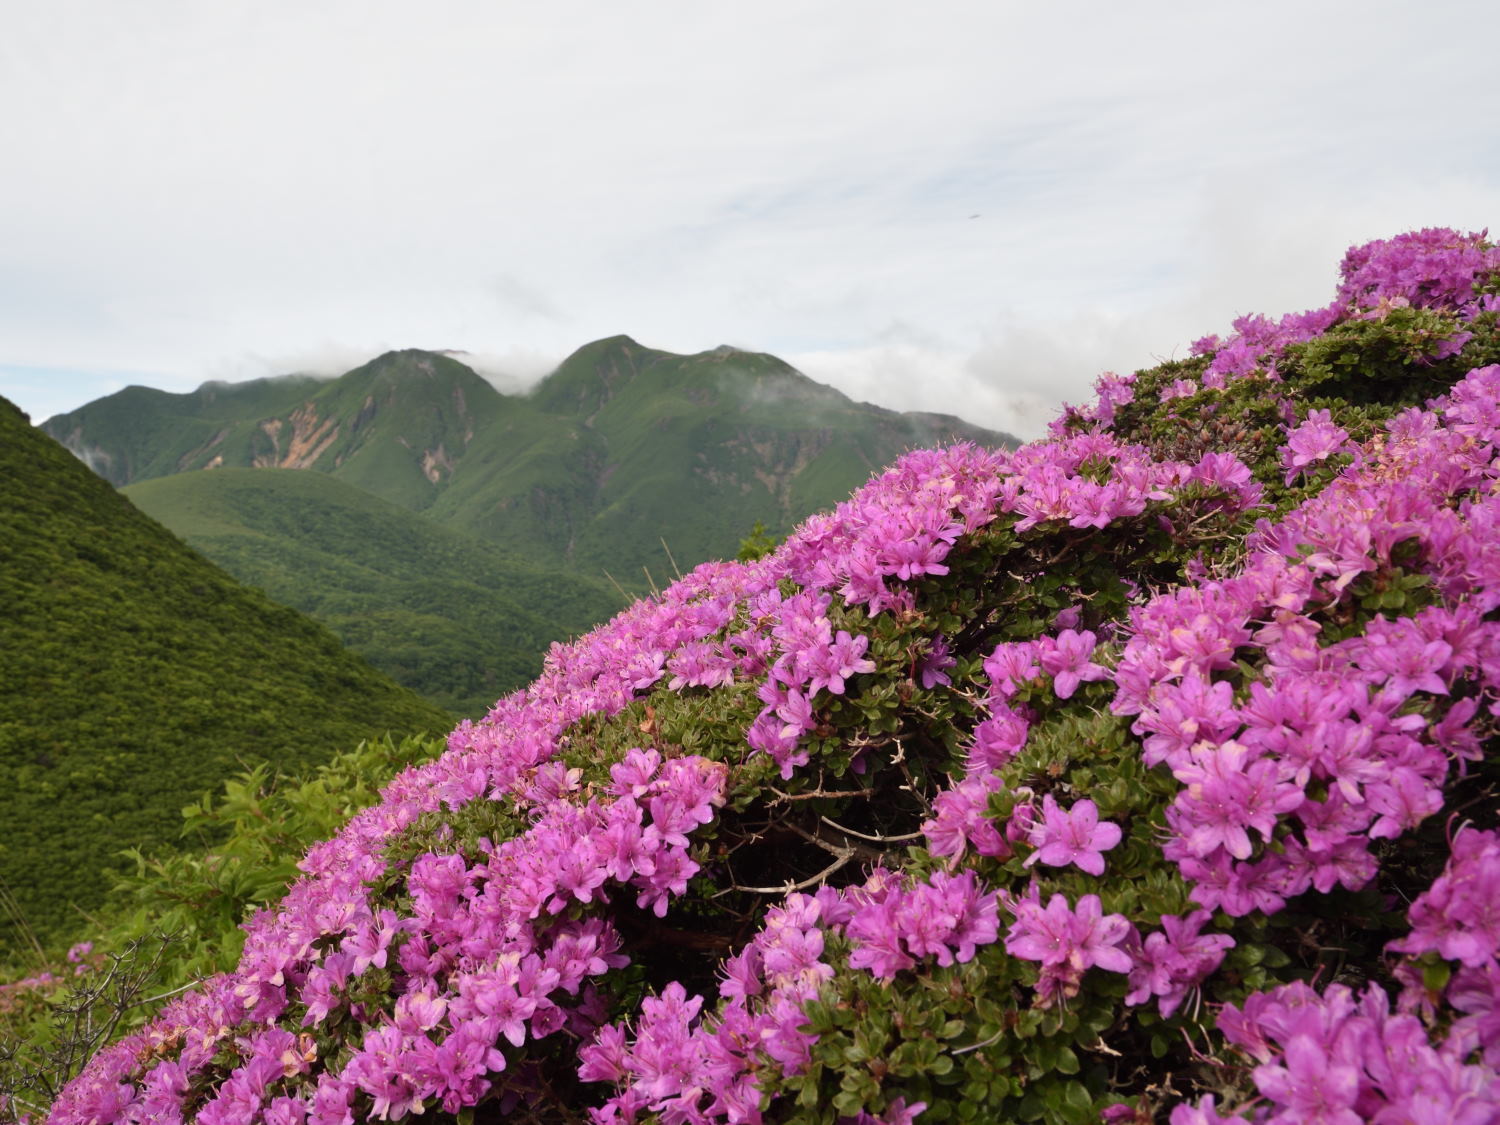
417,361
620,340
593,374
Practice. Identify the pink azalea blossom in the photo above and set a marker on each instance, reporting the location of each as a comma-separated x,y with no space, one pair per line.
1075,836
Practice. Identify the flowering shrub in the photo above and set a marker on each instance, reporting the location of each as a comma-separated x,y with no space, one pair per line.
1088,781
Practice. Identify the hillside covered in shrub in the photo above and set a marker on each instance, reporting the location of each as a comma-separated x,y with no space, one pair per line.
137,676
1146,773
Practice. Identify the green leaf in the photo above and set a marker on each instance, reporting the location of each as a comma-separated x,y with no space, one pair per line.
1067,1061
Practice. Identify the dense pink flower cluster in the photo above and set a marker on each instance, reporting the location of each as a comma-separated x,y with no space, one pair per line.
1067,940
893,927
811,658
1060,480
1458,920
1171,963
1324,740
479,958
1258,341
1425,268
1112,392
1347,1058
901,525
1295,754
1316,439
692,1068
1435,268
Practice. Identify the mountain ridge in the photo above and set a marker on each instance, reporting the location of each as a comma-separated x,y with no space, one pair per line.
620,448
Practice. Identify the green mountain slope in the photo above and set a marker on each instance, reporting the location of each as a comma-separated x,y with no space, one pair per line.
692,450
456,619
141,432
136,675
622,448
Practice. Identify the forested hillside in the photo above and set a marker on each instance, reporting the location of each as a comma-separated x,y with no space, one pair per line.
136,676
456,619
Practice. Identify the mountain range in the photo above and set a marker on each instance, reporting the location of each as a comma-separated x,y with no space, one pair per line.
449,532
623,458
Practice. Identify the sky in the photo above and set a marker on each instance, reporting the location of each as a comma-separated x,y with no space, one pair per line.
970,207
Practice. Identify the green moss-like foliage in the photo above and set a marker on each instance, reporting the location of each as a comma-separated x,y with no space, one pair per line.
137,675
458,620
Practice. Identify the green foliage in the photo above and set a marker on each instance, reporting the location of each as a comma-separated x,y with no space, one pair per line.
457,620
1243,418
137,677
757,545
1391,359
174,919
240,850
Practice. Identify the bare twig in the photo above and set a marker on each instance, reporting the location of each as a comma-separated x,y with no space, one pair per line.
88,1020
168,995
23,927
995,1038
818,841
788,887
617,586
836,849
872,839
782,797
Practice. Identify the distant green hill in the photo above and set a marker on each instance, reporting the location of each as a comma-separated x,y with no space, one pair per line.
136,676
622,449
456,619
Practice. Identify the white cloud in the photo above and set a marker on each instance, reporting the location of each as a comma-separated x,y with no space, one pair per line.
199,190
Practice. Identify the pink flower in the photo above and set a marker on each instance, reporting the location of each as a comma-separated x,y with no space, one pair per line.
1169,964
1314,1087
1066,660
1057,934
1316,439
1076,836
